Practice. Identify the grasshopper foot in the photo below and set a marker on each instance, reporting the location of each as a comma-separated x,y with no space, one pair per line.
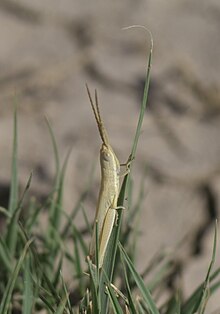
127,165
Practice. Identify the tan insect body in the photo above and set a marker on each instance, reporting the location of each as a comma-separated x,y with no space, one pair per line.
109,189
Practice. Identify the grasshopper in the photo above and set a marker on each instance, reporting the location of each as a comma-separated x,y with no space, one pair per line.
106,211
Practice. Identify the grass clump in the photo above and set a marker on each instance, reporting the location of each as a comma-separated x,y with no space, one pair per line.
31,262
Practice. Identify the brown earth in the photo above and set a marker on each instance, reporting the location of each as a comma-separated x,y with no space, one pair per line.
49,49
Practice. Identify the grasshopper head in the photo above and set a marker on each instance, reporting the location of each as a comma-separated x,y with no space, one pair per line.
108,159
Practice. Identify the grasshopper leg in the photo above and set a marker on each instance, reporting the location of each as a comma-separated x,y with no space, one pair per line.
127,165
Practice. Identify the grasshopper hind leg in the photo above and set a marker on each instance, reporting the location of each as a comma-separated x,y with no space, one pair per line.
106,233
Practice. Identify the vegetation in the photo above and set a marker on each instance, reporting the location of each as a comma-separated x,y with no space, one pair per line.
31,262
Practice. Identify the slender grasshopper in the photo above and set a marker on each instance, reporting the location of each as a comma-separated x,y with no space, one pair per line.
106,211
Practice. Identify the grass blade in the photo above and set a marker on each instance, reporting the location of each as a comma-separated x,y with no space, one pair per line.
78,266
139,281
67,296
59,198
54,211
144,101
5,212
188,305
214,287
5,256
130,299
113,300
85,305
196,299
13,198
11,283
174,305
39,267
141,308
94,284
62,306
109,261
47,303
11,236
28,288
56,278
206,291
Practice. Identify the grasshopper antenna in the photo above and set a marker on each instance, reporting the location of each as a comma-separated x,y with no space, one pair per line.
96,111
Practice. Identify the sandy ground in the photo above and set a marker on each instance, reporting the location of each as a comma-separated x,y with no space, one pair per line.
49,49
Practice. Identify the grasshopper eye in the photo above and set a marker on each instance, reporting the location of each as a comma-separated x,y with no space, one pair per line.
106,156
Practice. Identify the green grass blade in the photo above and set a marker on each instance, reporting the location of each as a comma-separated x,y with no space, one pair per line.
130,299
144,103
109,260
56,278
47,303
13,198
5,256
36,289
190,302
126,180
94,287
62,306
174,305
139,282
113,300
33,213
59,198
206,291
97,248
55,149
41,269
28,288
194,302
214,287
48,283
11,283
54,208
67,296
85,305
5,212
131,220
11,236
141,308
78,266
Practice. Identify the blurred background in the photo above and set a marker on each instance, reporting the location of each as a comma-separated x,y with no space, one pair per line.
50,49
